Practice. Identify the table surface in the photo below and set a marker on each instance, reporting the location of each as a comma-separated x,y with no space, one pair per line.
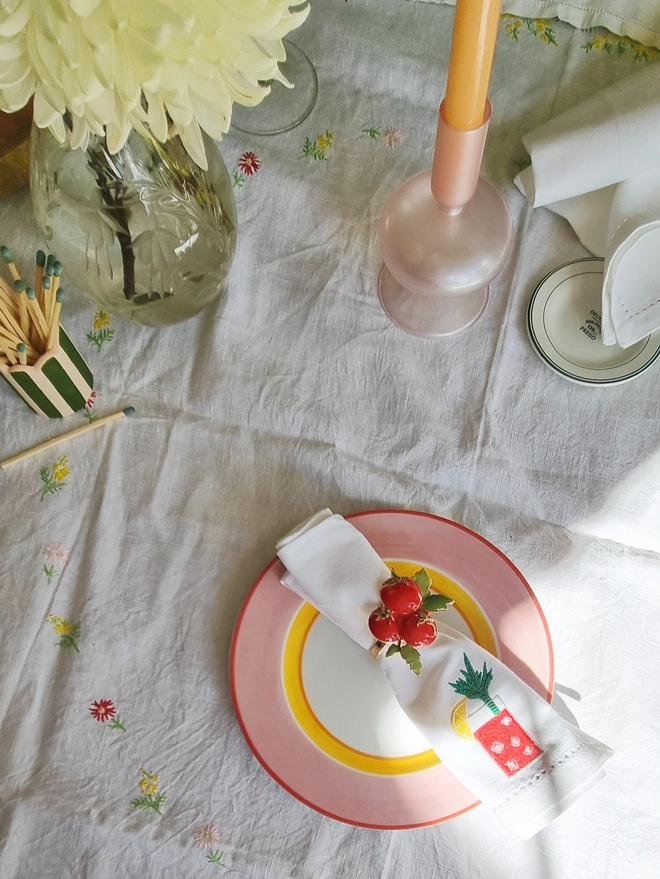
292,394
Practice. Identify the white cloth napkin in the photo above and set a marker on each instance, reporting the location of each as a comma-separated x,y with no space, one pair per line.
598,165
526,763
639,19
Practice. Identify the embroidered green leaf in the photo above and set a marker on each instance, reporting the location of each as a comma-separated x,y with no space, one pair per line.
99,337
51,573
393,648
435,603
117,723
412,657
309,148
238,180
423,581
50,484
153,802
215,857
373,132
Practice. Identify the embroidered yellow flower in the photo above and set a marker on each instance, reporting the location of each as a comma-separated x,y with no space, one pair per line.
323,142
101,319
513,28
62,627
61,469
68,632
149,783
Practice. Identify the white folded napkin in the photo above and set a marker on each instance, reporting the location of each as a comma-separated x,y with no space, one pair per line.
639,19
598,165
525,762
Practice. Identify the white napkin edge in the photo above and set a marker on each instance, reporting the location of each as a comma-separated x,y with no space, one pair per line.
588,214
555,809
302,528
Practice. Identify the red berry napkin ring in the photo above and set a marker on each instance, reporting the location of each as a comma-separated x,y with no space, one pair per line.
404,619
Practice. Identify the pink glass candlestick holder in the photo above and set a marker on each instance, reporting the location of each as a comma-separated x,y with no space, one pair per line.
444,235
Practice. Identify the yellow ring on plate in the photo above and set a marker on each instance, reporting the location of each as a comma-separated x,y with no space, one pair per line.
302,711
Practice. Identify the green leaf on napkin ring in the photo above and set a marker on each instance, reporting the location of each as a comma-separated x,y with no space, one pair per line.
423,581
435,603
412,657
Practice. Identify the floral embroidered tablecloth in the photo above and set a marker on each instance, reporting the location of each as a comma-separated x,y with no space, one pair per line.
127,554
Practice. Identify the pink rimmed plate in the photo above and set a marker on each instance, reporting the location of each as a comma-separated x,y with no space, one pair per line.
316,709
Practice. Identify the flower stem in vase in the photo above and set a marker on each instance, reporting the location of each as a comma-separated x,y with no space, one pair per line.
113,193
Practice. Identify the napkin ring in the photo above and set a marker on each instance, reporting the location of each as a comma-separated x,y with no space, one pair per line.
377,649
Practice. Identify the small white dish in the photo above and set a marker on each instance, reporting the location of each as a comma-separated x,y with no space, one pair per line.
564,326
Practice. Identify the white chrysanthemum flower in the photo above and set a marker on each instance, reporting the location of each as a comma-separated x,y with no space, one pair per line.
174,66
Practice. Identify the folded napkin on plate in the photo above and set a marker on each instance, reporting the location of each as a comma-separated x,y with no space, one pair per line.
525,762
598,165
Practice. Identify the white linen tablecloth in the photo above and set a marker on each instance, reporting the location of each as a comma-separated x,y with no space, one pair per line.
296,393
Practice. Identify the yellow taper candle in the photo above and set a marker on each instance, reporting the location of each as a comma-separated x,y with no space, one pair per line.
471,61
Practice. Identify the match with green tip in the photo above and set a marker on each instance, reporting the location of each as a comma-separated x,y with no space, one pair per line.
41,258
21,348
46,283
6,254
130,410
57,268
21,286
30,293
59,296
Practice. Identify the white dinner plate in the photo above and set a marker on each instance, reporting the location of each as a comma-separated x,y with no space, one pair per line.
564,326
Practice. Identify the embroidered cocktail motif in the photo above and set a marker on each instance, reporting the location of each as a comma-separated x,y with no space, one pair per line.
500,734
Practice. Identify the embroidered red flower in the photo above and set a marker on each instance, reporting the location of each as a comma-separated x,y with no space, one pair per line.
102,710
249,163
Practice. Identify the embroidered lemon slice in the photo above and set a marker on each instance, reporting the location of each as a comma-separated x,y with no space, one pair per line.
459,720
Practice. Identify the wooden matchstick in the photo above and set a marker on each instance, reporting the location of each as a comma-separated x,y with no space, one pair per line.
39,276
8,352
57,271
22,353
23,318
12,324
47,285
54,334
8,296
66,436
38,320
9,259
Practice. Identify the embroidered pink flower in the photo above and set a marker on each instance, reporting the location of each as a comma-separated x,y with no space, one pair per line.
57,554
392,136
249,163
102,710
206,836
91,401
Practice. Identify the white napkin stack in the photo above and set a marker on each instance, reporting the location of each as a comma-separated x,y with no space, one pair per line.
598,165
526,763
